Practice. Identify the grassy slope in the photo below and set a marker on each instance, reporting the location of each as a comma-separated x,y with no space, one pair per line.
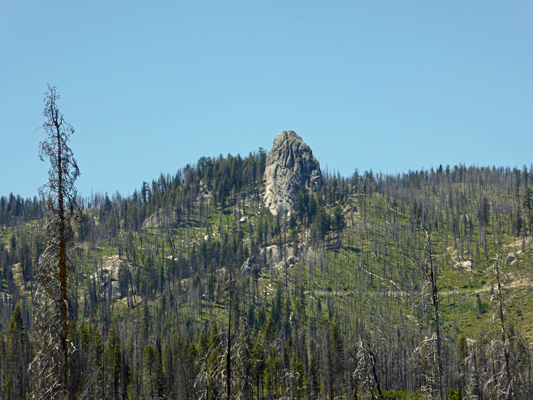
370,276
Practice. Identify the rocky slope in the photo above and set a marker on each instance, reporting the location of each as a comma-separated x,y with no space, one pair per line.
289,166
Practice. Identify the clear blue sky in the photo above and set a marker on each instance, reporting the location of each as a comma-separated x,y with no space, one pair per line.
151,86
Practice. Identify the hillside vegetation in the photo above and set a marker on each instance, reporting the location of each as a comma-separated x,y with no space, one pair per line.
376,286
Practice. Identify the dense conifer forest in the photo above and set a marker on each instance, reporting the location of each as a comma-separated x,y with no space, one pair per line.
407,286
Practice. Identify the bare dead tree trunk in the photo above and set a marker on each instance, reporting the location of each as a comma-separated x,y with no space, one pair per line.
50,372
62,265
503,329
433,278
228,354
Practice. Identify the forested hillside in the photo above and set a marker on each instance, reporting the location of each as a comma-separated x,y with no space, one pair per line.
376,286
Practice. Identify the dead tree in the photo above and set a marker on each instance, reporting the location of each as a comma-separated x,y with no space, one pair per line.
503,377
50,366
429,352
432,274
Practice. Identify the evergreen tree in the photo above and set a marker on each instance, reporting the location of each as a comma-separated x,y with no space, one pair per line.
17,377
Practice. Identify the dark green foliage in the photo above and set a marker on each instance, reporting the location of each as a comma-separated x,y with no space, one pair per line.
16,381
152,374
321,226
338,222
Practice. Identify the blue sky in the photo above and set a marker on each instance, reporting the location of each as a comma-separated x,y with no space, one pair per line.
152,86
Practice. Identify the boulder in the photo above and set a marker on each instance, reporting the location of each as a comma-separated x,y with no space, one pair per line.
290,165
466,265
246,268
273,255
159,219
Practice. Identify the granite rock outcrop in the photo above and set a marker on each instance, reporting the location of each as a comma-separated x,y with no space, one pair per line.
290,165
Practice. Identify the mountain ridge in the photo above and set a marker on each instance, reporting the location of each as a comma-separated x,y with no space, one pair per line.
316,294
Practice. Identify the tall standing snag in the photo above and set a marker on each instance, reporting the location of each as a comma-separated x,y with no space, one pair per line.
50,365
430,351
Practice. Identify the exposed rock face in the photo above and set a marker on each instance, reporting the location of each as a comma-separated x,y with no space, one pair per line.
289,166
158,219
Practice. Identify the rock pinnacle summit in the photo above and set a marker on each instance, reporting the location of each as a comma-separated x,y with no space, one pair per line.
290,165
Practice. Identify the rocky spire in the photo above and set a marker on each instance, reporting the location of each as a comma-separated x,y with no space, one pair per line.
289,166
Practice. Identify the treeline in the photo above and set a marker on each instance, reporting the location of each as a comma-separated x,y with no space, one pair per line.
15,209
190,288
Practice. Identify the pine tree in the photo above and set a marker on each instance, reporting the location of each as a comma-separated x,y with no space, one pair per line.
17,379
